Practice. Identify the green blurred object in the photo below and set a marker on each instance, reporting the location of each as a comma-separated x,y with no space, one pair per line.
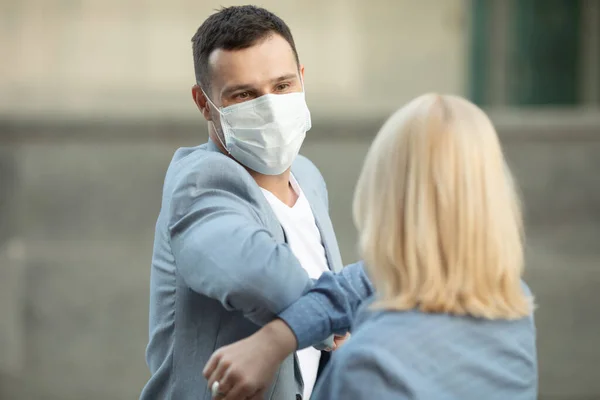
479,62
545,52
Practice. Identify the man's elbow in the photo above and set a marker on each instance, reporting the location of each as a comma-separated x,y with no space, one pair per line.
261,301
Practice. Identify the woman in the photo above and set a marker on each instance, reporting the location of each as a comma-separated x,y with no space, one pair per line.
439,225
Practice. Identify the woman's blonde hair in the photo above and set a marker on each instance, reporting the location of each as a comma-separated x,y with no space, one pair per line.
438,216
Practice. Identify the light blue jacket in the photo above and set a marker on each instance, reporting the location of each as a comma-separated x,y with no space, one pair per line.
221,268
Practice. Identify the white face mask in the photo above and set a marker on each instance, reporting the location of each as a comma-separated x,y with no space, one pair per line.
265,134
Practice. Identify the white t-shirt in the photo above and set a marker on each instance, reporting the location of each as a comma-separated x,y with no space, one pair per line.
304,238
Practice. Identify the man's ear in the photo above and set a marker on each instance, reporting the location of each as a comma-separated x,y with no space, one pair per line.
201,102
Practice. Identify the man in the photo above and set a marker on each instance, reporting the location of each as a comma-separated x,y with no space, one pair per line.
244,227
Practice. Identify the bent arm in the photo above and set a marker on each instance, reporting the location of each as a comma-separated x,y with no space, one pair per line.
330,306
223,251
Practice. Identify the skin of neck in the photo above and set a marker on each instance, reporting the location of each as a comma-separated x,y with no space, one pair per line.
279,185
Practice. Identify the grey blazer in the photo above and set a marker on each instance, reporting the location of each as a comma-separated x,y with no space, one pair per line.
221,268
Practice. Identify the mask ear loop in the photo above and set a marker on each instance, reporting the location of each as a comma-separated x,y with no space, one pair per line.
213,123
304,93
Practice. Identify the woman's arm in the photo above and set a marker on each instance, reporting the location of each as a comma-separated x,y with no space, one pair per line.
329,307
246,368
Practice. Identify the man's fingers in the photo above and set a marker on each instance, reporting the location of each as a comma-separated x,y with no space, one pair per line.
211,365
217,376
226,385
237,386
260,395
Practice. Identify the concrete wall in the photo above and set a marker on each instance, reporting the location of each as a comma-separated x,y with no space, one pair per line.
109,57
84,214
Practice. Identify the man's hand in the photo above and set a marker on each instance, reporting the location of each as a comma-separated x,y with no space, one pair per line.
245,369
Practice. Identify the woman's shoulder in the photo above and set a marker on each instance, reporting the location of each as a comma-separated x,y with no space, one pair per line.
370,315
416,326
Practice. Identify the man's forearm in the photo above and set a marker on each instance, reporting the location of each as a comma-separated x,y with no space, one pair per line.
281,336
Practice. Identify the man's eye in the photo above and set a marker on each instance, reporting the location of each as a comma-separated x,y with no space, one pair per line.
283,86
242,96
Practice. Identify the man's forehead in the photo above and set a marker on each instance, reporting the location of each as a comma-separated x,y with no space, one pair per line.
266,60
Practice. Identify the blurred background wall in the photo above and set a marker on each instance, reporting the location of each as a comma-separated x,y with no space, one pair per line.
95,98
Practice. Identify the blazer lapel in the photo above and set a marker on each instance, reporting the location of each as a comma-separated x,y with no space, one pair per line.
323,221
269,217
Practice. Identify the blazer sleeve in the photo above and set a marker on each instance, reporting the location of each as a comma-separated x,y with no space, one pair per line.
329,306
222,250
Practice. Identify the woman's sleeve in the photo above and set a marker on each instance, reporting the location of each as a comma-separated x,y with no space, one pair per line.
330,306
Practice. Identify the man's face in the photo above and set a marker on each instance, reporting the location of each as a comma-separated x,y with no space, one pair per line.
269,67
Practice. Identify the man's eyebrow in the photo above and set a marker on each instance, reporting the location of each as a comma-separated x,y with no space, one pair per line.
284,78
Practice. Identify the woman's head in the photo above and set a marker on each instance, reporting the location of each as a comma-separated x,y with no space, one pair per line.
438,217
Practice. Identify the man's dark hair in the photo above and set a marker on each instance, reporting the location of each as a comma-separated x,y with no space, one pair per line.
234,28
